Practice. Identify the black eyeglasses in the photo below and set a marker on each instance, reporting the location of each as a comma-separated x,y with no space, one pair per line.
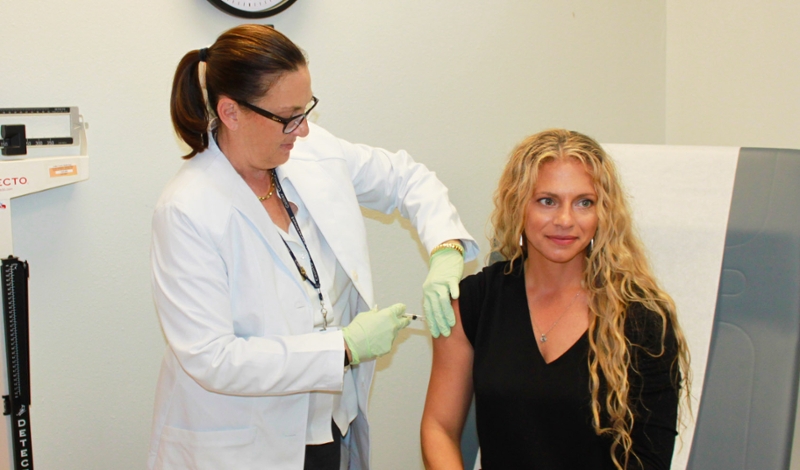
289,124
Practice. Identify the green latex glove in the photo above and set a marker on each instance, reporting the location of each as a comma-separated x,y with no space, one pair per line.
372,333
447,267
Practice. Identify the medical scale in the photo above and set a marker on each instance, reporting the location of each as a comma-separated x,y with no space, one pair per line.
40,149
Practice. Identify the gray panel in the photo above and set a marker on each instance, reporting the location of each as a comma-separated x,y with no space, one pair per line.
746,417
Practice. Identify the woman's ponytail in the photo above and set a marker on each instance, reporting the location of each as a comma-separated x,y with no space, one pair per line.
190,115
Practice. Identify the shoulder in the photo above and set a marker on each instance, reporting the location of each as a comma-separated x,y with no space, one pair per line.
495,272
323,147
207,175
487,291
201,191
318,145
322,156
490,277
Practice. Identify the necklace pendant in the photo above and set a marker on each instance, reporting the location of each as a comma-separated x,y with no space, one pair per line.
543,338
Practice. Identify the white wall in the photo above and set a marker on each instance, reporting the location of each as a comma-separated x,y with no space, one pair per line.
456,83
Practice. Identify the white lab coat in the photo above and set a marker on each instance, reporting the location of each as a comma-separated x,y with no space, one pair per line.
241,351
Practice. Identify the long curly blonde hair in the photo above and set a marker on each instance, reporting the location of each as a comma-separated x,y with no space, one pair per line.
617,273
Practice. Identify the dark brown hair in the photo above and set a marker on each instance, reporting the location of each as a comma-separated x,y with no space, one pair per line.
241,64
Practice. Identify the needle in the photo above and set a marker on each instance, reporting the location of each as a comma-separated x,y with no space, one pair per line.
412,316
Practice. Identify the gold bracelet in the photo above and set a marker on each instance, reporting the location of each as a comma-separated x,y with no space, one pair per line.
454,246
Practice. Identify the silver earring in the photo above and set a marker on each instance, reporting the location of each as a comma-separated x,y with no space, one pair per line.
521,241
591,245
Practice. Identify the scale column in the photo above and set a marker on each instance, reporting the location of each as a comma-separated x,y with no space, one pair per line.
14,284
6,242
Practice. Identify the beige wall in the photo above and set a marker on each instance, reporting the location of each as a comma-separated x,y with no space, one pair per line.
732,68
456,83
731,78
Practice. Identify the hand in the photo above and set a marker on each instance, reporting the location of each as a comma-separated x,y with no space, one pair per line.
372,333
447,267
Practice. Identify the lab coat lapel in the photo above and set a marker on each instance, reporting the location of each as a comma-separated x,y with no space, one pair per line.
248,205
333,206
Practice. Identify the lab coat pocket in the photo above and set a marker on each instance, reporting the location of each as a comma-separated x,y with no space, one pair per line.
206,450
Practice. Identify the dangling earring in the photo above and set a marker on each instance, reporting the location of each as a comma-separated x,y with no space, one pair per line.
591,245
521,241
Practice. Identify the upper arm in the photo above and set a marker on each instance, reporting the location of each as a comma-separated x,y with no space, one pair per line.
655,423
385,181
450,386
655,379
191,295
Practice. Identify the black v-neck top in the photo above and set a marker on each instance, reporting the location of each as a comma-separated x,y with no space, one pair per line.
534,415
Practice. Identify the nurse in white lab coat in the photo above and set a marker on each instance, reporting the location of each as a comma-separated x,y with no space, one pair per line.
260,268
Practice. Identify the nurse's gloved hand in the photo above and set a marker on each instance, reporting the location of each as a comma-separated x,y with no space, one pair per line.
441,285
372,333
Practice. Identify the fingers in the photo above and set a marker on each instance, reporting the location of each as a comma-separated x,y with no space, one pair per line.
430,317
438,311
397,309
446,316
440,287
404,322
455,290
372,333
396,321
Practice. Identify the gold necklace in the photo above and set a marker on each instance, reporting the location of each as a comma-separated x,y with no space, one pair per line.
543,337
271,191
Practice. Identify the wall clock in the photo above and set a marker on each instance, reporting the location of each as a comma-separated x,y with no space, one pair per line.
252,8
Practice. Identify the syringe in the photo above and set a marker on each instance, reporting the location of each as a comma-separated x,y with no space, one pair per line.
414,316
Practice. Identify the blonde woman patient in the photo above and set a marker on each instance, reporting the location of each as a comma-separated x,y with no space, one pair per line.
570,346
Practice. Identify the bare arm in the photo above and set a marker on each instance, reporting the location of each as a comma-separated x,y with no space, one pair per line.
448,400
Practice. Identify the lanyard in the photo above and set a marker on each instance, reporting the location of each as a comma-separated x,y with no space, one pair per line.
315,283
